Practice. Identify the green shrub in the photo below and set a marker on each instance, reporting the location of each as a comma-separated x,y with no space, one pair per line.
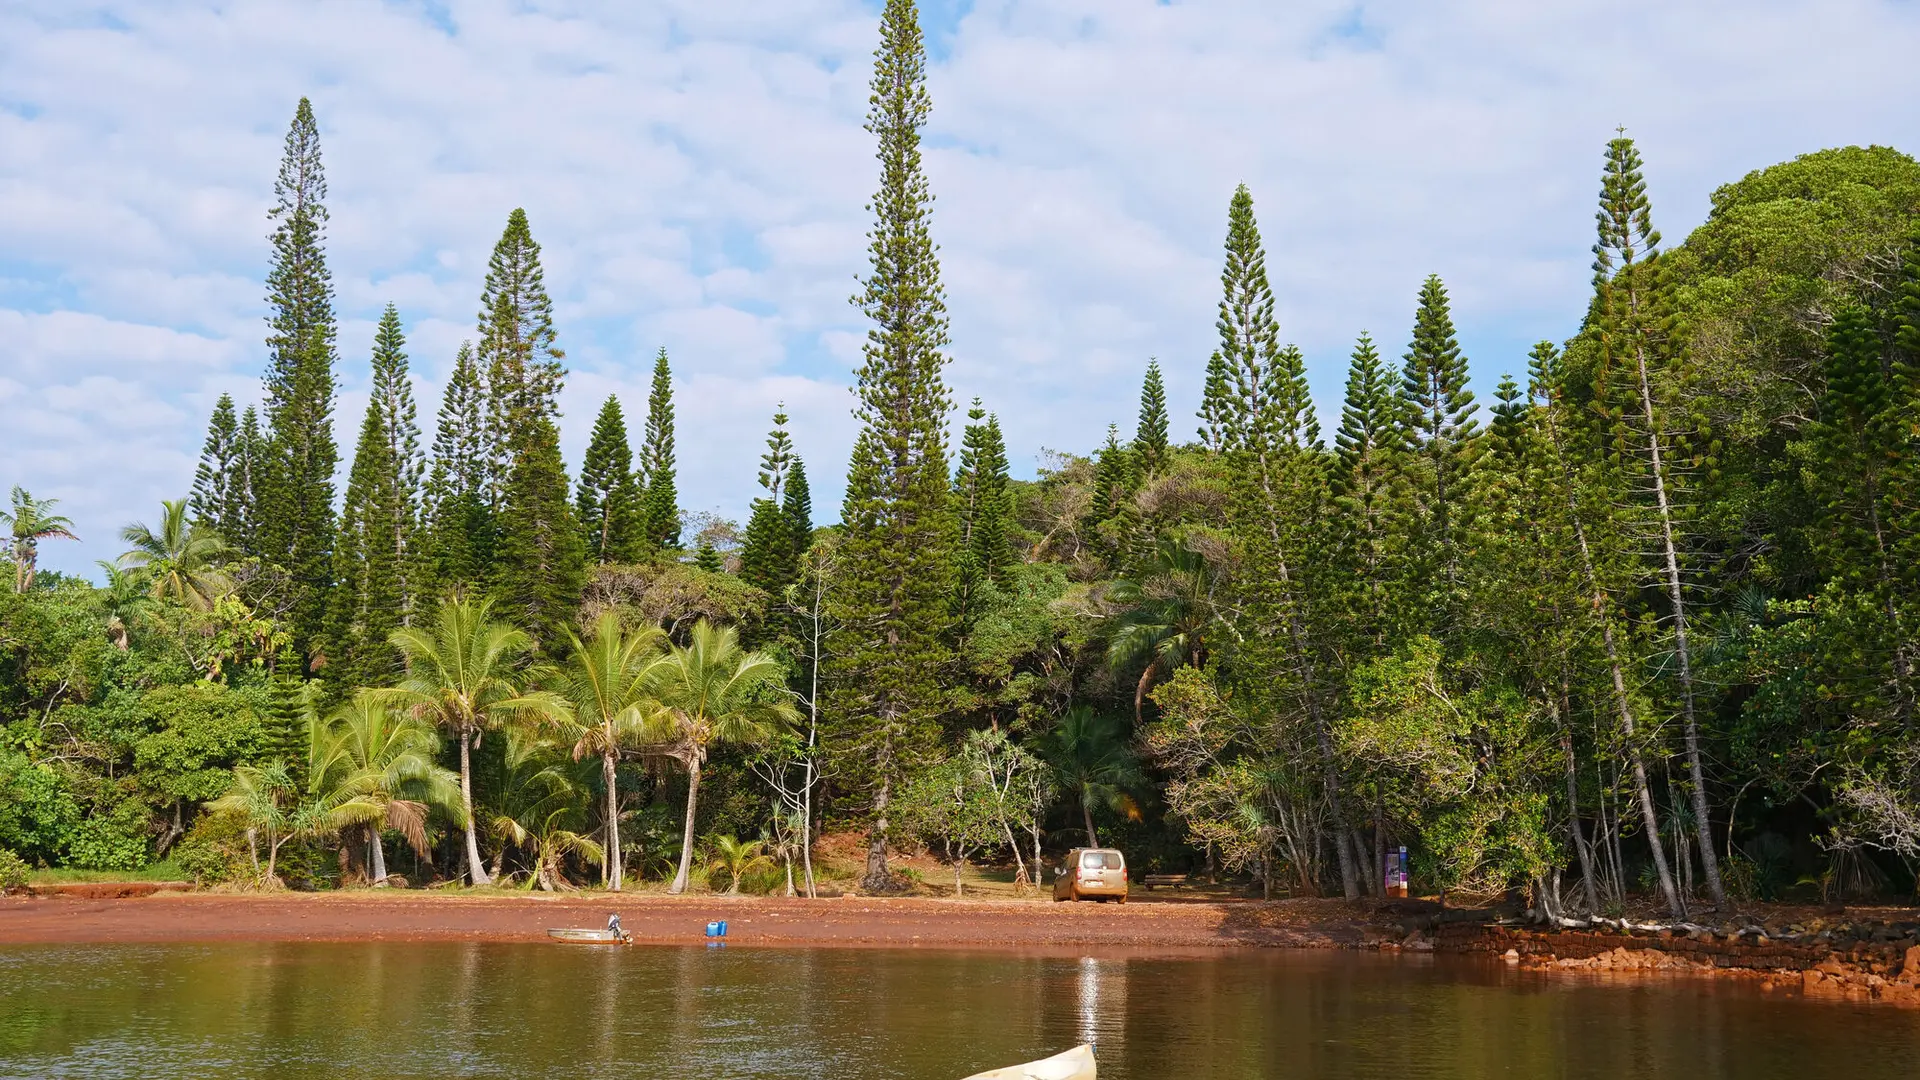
112,838
214,851
37,811
13,871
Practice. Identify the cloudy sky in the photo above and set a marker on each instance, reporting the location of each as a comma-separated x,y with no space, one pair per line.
696,172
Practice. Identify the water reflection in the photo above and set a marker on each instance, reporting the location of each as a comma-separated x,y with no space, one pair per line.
289,1011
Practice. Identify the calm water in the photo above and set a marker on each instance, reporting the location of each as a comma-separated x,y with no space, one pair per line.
438,1010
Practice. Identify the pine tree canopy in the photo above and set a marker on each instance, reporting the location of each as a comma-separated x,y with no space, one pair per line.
1150,434
460,521
660,502
213,494
608,499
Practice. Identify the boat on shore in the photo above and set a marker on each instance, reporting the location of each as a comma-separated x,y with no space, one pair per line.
1075,1064
591,937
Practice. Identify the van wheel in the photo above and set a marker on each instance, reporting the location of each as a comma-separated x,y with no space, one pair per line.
1121,899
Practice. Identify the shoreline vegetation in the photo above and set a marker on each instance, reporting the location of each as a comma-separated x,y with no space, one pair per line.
1636,634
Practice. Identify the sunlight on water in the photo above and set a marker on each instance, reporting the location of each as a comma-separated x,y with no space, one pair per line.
292,1011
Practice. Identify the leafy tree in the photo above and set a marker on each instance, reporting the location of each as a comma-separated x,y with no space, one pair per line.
181,561
898,543
608,498
952,805
1150,434
660,505
30,521
460,523
1091,760
294,485
460,678
608,680
712,692
375,768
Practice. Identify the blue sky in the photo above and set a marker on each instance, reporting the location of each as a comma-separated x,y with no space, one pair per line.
696,172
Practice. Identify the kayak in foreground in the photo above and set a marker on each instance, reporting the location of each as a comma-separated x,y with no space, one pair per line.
1075,1064
592,937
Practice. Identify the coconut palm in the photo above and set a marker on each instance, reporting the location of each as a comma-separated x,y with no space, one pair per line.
31,520
125,599
375,767
1168,613
538,808
460,679
713,691
608,680
1091,759
265,799
181,559
736,859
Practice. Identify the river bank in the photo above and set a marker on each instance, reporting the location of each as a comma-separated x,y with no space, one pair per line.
1861,956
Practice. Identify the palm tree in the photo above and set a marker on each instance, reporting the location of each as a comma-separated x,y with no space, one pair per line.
1169,611
608,680
377,768
1091,759
180,559
460,679
714,692
737,858
31,522
125,600
538,807
263,798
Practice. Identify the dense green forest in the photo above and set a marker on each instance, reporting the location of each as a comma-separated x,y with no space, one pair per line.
1641,627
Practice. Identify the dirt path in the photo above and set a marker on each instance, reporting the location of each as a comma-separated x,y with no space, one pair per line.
367,916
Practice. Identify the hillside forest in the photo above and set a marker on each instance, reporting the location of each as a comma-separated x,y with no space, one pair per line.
1636,625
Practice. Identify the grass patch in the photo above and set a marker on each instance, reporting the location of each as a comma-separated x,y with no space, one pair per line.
164,870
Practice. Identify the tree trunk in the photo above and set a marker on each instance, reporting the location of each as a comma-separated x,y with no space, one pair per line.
686,837
956,875
611,868
1682,655
1086,814
877,878
1573,813
377,855
476,873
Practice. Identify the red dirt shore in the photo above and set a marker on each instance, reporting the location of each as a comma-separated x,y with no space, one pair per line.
904,922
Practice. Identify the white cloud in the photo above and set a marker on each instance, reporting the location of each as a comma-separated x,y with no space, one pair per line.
696,171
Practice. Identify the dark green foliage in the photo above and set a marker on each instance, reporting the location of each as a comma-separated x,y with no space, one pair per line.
214,502
982,494
200,731
542,552
608,498
461,526
796,508
1367,489
708,558
518,356
770,556
898,531
379,570
294,485
1213,404
1437,411
286,724
660,503
243,479
1254,375
1150,433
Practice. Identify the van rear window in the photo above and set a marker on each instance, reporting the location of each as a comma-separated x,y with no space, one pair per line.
1100,860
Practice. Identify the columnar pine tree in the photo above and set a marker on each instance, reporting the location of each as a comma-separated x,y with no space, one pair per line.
213,493
518,351
769,556
378,570
1249,336
1150,434
796,508
1439,438
243,480
897,551
1640,380
294,487
461,528
607,500
983,494
1213,404
660,501
542,550
1368,499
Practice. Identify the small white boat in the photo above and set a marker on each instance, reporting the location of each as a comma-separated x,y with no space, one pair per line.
1075,1064
591,937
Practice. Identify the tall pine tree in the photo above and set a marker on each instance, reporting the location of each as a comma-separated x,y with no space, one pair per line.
889,654
770,557
214,498
1150,434
1214,405
1249,336
1438,435
608,498
461,531
294,488
660,502
1367,498
519,357
243,480
542,551
796,508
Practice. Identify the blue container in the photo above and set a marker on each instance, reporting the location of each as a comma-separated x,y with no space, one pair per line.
717,929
